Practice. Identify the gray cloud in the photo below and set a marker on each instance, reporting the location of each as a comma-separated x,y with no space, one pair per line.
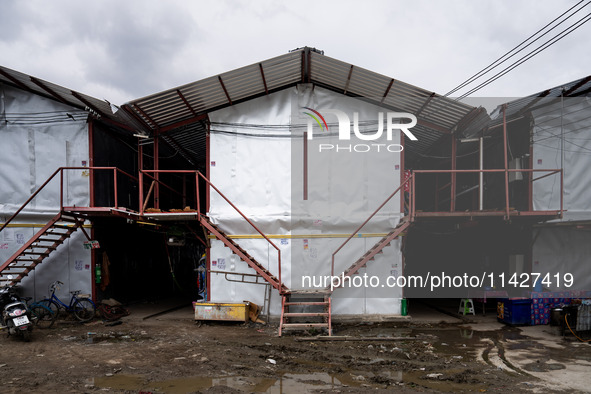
124,50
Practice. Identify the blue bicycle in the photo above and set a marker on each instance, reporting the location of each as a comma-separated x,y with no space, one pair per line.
81,306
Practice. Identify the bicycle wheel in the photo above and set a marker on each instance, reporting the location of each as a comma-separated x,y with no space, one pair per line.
42,316
84,309
52,306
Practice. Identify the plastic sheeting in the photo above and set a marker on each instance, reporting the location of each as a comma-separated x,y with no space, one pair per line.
256,161
563,250
568,119
38,136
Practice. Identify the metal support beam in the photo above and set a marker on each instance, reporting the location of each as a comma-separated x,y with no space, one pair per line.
15,81
481,175
454,146
225,90
49,90
264,80
88,104
183,123
387,90
305,169
131,112
145,115
425,104
348,80
174,144
91,161
156,168
506,162
186,102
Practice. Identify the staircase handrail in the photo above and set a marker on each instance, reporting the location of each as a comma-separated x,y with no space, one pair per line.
249,222
60,171
409,181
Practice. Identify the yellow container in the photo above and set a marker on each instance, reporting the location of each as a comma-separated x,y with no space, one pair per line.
221,311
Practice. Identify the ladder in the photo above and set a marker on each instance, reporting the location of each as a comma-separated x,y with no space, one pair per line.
305,310
38,248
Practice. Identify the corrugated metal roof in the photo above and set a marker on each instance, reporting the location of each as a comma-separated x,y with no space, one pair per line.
67,96
518,107
182,105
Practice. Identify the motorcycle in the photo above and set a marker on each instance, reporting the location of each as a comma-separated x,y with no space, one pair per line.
15,317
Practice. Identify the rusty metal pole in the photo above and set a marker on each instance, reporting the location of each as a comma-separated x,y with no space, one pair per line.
454,145
91,162
506,163
305,169
156,168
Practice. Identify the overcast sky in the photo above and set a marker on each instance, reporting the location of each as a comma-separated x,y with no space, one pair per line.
123,50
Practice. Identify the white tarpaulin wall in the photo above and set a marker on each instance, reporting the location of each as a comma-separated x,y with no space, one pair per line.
562,134
562,250
570,120
39,136
257,160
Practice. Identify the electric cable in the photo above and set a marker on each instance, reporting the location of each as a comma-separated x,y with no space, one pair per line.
531,54
500,60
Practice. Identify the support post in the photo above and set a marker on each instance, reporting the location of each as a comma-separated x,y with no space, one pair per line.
91,161
115,188
141,191
207,167
481,176
454,146
305,169
403,176
506,162
156,168
61,189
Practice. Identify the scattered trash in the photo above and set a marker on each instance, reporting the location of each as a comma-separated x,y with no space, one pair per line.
270,360
180,358
434,375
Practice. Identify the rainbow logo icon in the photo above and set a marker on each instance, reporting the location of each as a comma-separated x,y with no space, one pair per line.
322,124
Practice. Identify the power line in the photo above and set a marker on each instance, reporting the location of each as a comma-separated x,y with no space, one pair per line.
514,51
531,54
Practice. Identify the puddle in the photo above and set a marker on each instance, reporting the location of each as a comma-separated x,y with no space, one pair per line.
286,383
93,338
543,367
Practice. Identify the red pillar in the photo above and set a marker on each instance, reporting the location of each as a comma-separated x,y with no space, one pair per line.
454,143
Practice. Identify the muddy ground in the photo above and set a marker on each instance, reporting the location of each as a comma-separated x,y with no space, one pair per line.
171,353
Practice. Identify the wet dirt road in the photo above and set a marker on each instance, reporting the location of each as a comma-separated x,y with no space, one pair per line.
174,355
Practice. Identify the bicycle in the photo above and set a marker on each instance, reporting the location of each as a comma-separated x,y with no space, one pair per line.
41,315
81,306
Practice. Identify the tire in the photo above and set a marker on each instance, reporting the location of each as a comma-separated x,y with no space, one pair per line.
52,306
84,310
27,335
42,316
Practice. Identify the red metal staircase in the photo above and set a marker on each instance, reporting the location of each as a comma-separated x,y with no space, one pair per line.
377,248
38,248
312,309
237,249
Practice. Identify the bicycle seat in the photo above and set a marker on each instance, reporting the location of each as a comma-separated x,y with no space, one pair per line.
75,292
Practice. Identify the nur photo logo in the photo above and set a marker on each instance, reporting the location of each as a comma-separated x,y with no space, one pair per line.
394,121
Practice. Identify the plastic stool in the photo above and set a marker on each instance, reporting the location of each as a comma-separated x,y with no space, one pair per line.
466,306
